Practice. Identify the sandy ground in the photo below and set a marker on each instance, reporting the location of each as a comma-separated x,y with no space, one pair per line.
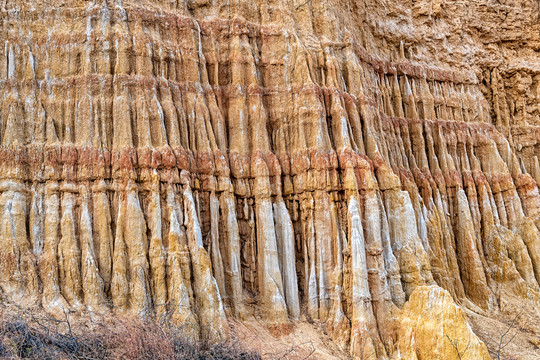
304,341
518,343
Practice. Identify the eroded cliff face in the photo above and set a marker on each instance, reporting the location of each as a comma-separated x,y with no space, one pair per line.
335,161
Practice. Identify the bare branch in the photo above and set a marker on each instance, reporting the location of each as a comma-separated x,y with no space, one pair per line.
304,3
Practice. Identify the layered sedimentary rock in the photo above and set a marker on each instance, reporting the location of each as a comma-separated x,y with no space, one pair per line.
291,160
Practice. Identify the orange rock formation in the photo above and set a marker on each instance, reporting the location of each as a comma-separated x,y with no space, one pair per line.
340,161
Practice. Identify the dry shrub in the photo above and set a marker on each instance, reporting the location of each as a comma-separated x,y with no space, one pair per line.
26,337
134,339
20,340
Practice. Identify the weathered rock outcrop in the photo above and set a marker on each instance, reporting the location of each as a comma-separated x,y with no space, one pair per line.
433,327
329,160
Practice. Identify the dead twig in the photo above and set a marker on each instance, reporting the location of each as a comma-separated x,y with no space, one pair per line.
304,3
455,345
